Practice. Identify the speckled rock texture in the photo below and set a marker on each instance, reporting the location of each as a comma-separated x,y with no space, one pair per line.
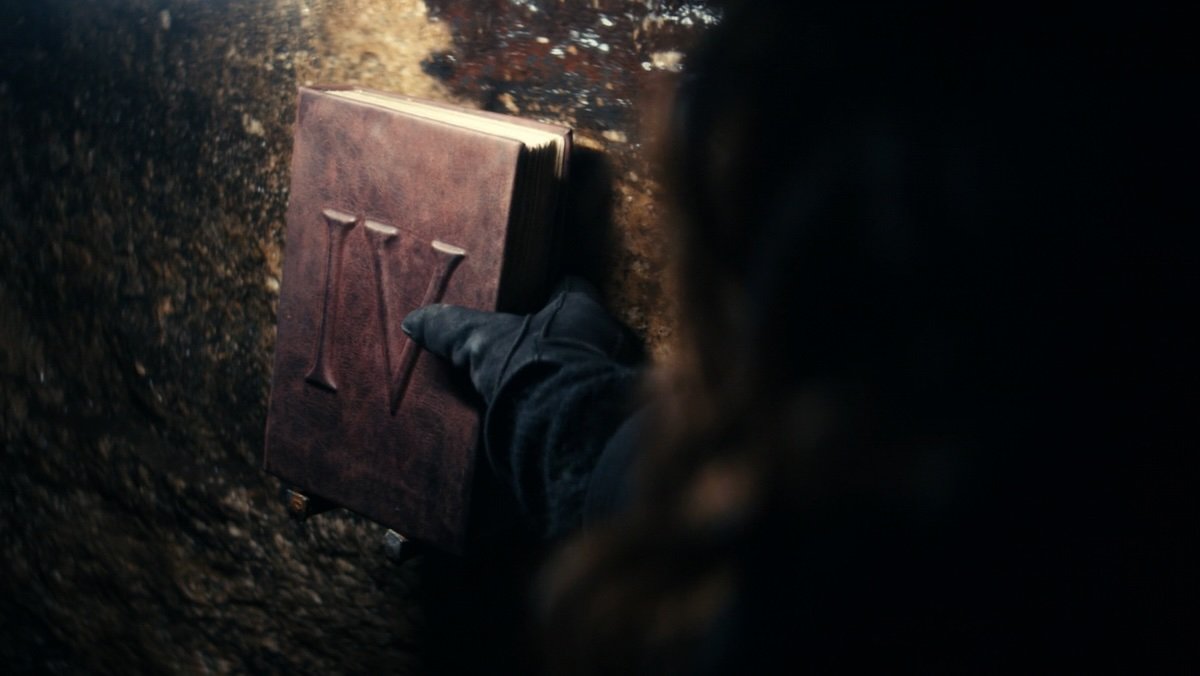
144,153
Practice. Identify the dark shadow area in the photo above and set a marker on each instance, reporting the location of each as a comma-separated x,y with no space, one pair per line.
478,605
586,238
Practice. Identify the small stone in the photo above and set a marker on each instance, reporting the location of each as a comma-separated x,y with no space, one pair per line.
669,60
396,547
252,125
509,103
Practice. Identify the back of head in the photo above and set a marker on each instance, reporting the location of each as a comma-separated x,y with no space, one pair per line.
934,261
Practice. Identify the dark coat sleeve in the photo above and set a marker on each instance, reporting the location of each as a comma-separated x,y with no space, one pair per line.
551,440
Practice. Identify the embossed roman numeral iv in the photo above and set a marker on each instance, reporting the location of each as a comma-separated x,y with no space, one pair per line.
383,239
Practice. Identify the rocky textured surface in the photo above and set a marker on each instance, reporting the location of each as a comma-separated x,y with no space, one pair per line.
144,149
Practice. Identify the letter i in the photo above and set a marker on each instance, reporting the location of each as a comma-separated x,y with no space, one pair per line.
339,225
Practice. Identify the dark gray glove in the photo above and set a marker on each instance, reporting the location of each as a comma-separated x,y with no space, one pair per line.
557,385
494,346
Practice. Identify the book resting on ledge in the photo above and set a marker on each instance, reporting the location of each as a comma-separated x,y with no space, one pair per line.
396,203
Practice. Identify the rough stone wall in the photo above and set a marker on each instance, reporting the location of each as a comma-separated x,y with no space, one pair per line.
144,152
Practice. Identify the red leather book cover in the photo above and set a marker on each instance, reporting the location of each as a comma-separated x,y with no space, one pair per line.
387,212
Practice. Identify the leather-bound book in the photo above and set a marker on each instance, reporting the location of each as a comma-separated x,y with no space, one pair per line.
396,203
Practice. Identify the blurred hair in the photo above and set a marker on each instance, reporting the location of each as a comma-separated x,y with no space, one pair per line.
932,267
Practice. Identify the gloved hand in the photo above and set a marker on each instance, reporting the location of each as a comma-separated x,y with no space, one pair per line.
557,385
494,346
